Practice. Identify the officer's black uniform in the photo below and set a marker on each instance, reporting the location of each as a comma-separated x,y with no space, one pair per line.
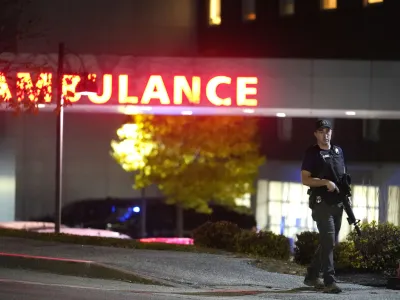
327,209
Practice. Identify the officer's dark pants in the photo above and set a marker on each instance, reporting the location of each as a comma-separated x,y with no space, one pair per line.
329,220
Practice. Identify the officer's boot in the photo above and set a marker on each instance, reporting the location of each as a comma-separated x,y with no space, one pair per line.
332,288
314,282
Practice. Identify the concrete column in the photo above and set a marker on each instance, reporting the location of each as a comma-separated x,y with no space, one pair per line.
371,130
383,202
285,128
385,177
7,167
262,200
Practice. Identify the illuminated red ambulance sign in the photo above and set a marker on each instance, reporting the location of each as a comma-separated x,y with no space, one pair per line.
153,90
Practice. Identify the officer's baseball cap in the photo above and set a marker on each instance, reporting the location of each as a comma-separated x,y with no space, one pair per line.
320,124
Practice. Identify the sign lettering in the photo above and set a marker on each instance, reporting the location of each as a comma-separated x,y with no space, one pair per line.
122,89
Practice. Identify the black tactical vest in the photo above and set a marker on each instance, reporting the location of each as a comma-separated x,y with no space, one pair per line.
332,167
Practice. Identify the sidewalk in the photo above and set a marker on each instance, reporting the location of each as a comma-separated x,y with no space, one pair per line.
180,269
177,268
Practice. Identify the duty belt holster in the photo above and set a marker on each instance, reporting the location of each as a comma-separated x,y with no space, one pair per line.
314,197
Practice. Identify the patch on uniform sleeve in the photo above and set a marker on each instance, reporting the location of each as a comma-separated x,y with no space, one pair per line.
336,150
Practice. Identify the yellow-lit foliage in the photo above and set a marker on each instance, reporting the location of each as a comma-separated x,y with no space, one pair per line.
192,159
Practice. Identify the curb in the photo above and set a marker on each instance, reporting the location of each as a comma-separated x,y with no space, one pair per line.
393,283
71,267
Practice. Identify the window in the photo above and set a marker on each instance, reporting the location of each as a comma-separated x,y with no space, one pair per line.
288,211
282,207
286,7
369,2
366,202
249,10
215,12
328,4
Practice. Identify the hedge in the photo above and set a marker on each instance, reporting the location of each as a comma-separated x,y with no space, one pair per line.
228,236
377,250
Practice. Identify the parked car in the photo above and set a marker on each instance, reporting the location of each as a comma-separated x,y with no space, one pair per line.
123,215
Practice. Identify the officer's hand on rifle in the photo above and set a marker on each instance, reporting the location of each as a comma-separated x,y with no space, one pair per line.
331,186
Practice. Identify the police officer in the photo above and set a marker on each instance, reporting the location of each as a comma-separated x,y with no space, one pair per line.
321,170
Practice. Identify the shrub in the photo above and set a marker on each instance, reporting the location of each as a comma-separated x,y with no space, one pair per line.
305,246
219,235
378,249
344,255
228,236
263,243
345,252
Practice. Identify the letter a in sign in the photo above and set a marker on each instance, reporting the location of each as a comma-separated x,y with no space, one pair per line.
155,89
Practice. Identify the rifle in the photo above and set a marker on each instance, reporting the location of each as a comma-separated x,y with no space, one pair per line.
344,184
345,192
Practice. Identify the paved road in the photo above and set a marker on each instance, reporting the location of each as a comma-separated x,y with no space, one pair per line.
186,269
29,285
192,272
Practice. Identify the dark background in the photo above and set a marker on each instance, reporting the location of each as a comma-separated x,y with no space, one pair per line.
352,31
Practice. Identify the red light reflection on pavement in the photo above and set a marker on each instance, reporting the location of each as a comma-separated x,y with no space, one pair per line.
173,240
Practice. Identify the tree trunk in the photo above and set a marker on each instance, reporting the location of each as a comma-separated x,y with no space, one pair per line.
179,220
143,212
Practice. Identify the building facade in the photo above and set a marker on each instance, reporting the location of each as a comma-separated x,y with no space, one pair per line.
143,28
140,28
326,29
355,31
310,58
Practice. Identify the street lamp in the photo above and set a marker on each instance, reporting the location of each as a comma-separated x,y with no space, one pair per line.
84,87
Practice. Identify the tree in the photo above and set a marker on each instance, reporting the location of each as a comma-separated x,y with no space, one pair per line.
194,160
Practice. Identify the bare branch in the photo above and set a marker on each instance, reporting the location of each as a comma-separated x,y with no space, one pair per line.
13,30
